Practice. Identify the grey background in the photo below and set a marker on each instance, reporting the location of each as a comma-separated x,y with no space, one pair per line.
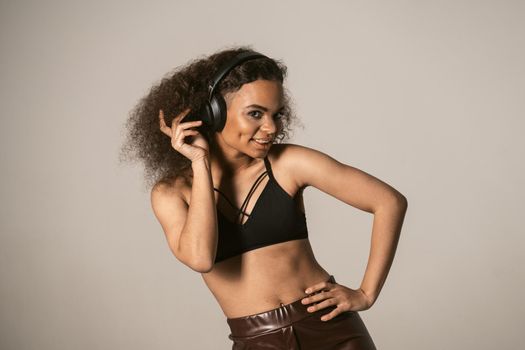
425,95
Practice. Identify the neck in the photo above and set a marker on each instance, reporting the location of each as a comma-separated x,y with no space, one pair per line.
231,162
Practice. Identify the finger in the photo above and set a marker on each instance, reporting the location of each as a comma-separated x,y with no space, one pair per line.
163,127
317,287
182,114
161,117
192,124
326,303
166,130
332,314
316,297
176,121
181,136
190,132
181,128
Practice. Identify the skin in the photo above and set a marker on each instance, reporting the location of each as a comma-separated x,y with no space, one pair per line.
268,277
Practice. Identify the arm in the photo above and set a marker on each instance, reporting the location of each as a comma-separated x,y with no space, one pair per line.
191,231
362,191
386,229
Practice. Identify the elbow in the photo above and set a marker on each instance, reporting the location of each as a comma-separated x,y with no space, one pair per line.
399,200
402,202
396,202
200,265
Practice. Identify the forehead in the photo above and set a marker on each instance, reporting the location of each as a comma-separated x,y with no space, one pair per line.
263,92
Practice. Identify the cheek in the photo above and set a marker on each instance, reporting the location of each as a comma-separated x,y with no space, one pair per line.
240,126
236,130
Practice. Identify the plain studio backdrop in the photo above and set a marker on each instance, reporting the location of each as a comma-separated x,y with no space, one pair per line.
428,96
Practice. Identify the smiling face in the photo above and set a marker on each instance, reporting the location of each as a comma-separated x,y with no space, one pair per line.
253,118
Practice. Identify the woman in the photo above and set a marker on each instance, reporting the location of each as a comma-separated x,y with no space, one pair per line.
228,195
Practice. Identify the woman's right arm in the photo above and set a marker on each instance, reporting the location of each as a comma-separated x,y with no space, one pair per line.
190,229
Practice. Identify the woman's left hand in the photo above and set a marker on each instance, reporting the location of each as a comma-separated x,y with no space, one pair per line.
329,294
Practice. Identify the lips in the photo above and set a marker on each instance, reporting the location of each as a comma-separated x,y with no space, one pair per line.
263,141
259,143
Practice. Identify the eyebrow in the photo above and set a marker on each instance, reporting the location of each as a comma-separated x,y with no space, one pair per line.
262,107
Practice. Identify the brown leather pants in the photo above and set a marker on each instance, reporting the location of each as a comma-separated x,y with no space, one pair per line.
292,327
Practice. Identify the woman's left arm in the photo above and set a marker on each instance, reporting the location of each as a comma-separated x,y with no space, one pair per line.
386,228
360,190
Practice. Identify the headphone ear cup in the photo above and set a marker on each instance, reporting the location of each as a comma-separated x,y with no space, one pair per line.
207,115
218,112
203,113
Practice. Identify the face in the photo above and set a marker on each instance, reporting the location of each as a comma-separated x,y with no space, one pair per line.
253,118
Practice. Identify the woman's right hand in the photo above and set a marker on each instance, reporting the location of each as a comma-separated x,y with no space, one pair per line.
197,148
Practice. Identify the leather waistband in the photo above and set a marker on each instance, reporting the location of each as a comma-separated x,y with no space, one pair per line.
277,318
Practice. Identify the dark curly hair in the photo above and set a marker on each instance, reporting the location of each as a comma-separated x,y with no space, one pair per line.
187,86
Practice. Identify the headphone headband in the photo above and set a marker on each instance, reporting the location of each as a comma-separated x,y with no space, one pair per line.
228,66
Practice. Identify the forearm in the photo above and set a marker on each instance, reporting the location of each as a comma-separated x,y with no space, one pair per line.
199,236
386,230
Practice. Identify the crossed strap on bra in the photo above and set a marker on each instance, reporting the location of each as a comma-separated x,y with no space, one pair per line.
240,210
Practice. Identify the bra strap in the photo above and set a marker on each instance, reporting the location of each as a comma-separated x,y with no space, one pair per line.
268,167
229,201
250,193
240,210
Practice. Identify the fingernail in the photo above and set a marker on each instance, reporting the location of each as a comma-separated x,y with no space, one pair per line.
307,291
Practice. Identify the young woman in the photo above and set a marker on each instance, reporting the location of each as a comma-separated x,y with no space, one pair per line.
227,192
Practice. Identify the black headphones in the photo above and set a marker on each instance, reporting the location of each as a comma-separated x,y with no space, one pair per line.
213,113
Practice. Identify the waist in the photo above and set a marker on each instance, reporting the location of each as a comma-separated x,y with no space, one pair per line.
279,317
263,278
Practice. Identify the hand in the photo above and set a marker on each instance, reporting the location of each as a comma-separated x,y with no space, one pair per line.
197,147
330,294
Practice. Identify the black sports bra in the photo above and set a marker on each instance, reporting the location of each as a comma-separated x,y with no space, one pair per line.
274,218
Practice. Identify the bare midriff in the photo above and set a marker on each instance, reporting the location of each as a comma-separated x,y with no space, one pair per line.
265,278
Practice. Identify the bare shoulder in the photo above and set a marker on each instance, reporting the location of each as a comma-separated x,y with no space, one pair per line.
167,197
178,187
310,167
294,159
292,152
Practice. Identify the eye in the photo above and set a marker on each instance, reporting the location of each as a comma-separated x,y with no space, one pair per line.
258,115
279,115
255,114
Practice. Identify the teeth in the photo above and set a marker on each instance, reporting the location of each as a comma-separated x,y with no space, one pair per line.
261,141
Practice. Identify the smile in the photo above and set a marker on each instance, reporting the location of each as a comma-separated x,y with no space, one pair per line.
262,141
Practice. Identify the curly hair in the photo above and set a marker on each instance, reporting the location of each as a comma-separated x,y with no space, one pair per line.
187,87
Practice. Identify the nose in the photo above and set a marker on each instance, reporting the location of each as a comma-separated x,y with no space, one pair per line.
269,126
